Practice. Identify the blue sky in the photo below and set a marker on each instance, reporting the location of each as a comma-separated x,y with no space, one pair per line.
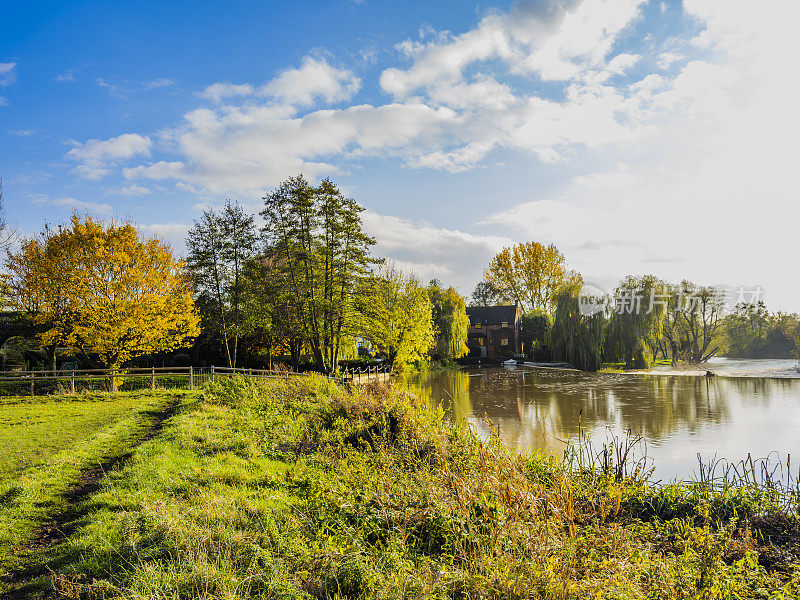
639,136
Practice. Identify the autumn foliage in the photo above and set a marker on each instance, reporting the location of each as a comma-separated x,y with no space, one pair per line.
103,288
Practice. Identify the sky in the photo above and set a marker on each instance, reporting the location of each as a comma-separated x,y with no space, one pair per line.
638,136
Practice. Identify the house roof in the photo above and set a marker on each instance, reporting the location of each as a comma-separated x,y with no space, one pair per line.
492,315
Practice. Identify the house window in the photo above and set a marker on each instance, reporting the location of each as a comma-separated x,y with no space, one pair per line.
480,341
504,342
505,323
478,324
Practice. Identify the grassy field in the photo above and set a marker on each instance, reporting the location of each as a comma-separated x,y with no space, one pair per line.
299,490
34,429
50,444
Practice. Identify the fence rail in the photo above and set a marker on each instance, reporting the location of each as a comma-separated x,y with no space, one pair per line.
18,383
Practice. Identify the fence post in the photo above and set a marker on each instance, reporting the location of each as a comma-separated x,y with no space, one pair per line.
153,378
33,375
191,377
212,373
72,382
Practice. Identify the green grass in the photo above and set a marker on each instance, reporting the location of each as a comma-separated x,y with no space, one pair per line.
75,434
619,367
34,429
299,490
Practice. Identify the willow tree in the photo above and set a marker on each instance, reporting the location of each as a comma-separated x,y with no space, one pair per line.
575,337
450,322
319,253
531,274
637,322
104,288
399,317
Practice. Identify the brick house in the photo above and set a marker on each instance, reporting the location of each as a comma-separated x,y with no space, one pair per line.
494,331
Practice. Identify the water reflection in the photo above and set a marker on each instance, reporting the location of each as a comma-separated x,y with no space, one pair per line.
678,415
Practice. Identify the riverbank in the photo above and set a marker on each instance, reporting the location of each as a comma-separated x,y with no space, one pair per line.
299,489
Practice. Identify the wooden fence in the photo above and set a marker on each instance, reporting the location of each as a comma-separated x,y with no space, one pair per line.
33,383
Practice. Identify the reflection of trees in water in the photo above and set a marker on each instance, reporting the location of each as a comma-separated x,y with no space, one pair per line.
449,389
536,409
652,407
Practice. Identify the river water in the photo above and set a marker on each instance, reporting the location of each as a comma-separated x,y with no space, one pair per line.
678,416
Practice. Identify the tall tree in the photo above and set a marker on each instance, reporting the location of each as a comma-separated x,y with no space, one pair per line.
399,317
105,289
450,322
699,312
320,255
219,245
531,274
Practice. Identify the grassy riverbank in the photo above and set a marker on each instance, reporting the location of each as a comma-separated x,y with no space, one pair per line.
300,490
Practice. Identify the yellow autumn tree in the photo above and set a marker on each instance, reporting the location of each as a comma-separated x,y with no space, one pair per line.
104,288
530,273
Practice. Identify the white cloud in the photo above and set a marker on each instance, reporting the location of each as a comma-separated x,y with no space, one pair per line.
8,73
315,79
250,148
173,234
432,252
78,205
220,91
161,82
133,190
97,156
667,59
622,62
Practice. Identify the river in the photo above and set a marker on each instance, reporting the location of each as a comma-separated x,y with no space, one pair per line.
678,415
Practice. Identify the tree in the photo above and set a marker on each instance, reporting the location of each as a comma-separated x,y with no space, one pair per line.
485,294
450,322
637,323
270,320
219,244
531,274
792,330
104,289
536,326
698,314
399,317
746,330
320,256
751,331
39,283
576,338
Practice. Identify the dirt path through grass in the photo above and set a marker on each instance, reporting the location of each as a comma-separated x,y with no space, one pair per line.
18,583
